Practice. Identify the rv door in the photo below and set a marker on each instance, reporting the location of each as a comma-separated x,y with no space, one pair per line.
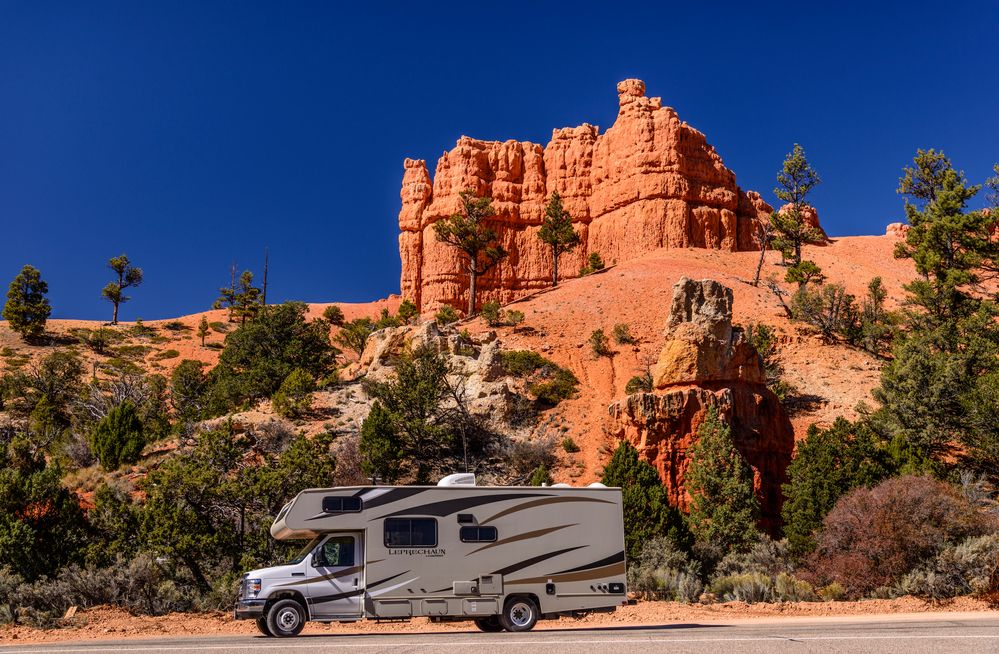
336,588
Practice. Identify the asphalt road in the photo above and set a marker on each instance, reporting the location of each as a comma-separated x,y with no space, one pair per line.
934,634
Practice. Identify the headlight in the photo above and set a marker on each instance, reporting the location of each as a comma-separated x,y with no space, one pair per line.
252,587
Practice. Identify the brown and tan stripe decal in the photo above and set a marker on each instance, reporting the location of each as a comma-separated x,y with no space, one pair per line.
607,560
333,575
516,567
447,507
542,502
583,575
525,536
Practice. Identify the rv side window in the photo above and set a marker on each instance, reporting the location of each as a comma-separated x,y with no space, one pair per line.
335,504
477,534
410,532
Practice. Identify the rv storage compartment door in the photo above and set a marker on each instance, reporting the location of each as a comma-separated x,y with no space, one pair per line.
393,608
481,607
491,585
466,588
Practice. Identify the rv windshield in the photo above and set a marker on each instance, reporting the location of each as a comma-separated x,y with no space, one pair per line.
304,552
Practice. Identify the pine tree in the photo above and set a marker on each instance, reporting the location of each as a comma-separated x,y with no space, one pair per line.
936,390
243,300
333,315
557,232
27,309
203,329
951,247
407,311
540,477
417,403
354,335
128,276
468,232
723,507
796,179
379,446
647,512
118,438
876,322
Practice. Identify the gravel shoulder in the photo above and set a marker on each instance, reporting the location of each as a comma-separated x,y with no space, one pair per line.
109,623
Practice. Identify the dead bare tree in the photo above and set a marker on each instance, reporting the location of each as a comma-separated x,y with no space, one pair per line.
764,232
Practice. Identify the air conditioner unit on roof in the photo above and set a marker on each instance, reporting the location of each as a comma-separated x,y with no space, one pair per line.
458,479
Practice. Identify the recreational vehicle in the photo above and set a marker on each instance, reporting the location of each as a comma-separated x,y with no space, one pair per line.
504,557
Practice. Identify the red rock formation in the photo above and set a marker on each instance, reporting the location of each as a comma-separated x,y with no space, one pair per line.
708,363
650,181
810,216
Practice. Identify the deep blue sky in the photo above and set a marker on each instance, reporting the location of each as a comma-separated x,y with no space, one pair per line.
193,134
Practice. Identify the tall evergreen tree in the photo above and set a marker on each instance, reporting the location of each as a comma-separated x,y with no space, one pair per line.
647,511
557,232
953,249
27,308
794,182
468,232
723,507
937,387
127,276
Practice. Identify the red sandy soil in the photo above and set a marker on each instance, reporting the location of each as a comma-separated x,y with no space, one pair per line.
114,623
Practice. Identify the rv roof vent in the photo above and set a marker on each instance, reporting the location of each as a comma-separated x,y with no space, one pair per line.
560,486
596,484
458,479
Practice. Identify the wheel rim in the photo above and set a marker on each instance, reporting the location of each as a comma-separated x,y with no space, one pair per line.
521,614
288,619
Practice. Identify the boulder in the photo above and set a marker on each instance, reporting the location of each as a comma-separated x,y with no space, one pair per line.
701,344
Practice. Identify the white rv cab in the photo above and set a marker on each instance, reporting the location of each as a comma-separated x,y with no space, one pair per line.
504,557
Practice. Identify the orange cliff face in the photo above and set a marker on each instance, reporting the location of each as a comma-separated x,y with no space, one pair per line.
650,181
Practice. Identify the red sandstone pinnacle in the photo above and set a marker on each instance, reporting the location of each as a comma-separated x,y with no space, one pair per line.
650,181
705,363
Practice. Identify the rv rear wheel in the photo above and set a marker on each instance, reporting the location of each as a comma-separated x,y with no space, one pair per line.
519,614
286,618
490,624
262,626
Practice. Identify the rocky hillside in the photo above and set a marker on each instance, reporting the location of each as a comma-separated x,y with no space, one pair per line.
830,379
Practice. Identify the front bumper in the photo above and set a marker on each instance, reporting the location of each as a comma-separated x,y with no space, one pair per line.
249,609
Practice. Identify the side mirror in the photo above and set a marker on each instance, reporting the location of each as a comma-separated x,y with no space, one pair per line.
317,559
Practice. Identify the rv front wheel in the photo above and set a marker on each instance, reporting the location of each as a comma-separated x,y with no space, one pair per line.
490,624
262,626
286,618
519,614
